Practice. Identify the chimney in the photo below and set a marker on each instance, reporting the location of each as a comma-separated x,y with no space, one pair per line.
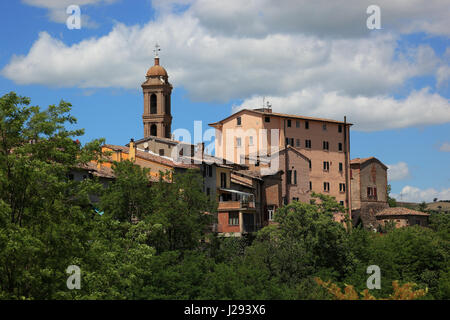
132,150
200,150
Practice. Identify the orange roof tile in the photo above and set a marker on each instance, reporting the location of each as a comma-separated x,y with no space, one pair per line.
400,211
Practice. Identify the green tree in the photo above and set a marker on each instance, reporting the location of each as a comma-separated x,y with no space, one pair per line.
391,201
45,217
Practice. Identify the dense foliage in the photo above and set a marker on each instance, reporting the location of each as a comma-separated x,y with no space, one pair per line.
152,242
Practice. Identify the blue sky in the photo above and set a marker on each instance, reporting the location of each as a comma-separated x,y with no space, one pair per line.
391,83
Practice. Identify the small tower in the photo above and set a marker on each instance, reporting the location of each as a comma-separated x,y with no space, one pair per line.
157,116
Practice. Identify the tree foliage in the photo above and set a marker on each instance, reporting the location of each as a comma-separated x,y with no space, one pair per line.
153,240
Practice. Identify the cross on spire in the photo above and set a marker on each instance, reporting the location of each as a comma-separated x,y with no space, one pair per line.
156,50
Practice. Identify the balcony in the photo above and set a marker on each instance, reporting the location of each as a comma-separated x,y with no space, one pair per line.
235,200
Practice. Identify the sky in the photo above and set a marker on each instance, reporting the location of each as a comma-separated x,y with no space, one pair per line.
312,58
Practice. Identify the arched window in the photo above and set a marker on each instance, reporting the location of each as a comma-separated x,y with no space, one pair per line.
167,133
153,103
153,130
167,104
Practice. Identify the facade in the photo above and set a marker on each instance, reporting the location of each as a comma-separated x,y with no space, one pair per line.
402,217
324,142
369,190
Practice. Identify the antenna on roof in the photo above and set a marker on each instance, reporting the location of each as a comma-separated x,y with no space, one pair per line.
156,50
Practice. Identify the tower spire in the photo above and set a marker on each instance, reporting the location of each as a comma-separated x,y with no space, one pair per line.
156,50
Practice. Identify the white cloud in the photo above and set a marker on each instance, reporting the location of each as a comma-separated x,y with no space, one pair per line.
337,18
413,194
445,147
57,9
299,71
398,171
366,113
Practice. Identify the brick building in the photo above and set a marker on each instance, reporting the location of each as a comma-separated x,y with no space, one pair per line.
323,142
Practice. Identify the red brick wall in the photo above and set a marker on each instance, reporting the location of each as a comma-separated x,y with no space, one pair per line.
222,225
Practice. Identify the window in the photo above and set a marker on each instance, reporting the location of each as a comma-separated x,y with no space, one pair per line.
340,128
271,212
297,123
167,131
161,152
167,104
297,143
310,185
290,141
341,203
289,123
153,130
295,176
153,103
250,141
233,218
209,171
340,146
208,191
294,199
340,167
238,119
308,144
289,176
306,124
266,119
310,164
325,145
341,187
326,186
238,142
324,127
223,180
372,193
326,166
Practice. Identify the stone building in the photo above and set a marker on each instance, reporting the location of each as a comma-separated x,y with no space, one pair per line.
402,217
368,190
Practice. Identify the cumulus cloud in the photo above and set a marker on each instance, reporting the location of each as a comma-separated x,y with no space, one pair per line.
338,18
398,171
272,54
413,194
445,147
366,113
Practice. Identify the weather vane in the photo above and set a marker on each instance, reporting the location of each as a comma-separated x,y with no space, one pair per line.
156,50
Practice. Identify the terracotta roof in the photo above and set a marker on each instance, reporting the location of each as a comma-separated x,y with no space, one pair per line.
256,156
152,157
156,70
283,115
156,138
400,211
103,172
364,160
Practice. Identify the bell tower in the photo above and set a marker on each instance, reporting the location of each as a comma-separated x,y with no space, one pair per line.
157,116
